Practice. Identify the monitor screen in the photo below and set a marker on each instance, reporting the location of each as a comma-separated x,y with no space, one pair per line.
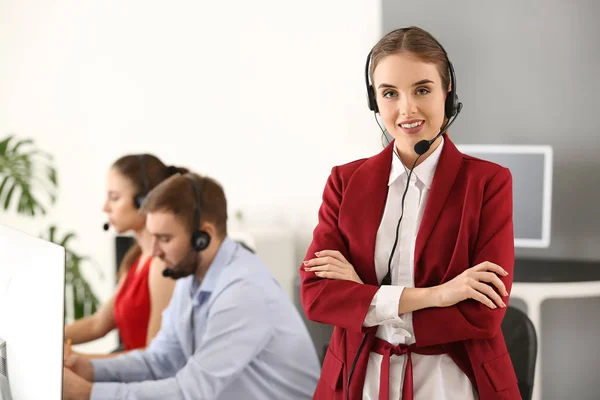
531,169
32,287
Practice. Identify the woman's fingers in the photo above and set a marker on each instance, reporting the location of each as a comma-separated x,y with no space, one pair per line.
314,262
326,268
332,253
480,297
331,275
492,278
489,266
489,293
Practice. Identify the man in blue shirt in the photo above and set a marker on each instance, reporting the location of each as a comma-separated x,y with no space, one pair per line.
230,332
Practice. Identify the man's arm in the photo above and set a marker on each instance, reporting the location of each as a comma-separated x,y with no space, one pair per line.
163,358
238,328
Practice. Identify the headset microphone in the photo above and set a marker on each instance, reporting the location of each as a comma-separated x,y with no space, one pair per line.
106,226
200,238
424,145
452,108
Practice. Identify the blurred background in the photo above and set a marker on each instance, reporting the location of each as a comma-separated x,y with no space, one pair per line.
267,96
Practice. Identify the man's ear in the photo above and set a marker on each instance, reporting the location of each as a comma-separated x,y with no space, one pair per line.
209,228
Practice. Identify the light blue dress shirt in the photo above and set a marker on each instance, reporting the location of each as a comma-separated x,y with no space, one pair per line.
235,336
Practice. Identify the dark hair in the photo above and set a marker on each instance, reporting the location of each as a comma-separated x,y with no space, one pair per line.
177,195
154,172
416,41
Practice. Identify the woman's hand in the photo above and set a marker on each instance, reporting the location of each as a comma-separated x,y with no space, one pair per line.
472,284
332,264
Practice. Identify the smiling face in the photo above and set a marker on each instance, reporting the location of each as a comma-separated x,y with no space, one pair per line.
411,97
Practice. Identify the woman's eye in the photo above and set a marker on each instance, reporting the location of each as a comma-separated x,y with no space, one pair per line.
389,95
422,91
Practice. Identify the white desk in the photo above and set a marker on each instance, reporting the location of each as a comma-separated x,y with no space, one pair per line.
534,293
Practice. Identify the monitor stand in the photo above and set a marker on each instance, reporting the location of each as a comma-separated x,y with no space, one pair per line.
4,387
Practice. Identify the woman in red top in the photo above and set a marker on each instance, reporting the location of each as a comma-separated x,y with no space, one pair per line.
142,293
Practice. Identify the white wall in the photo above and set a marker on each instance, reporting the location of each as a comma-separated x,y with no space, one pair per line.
265,96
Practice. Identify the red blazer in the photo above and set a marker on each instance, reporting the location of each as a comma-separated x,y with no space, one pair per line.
467,220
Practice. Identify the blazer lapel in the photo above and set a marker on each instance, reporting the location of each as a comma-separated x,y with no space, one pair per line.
443,180
364,202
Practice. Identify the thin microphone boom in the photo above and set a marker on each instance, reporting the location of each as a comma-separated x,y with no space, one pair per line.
424,145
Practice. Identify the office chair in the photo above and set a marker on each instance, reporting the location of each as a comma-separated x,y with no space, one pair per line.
521,341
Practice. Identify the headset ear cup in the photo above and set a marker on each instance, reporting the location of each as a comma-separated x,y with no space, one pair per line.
138,201
453,105
449,106
372,99
200,240
457,105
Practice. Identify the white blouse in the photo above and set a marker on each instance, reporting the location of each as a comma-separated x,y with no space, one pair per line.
434,376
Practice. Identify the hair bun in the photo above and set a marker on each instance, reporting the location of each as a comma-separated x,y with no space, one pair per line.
173,170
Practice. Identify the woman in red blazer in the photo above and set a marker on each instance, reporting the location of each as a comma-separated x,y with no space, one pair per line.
412,258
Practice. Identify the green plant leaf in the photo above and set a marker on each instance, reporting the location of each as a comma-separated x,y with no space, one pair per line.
85,301
52,233
65,239
4,144
28,173
4,182
52,175
9,194
21,143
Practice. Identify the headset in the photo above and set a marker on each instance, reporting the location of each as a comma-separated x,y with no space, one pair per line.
200,239
452,108
139,198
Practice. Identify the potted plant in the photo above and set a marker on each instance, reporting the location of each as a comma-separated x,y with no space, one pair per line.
29,185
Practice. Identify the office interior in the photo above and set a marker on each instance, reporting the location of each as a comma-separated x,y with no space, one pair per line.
267,96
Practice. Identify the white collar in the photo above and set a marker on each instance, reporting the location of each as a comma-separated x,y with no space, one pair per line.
424,172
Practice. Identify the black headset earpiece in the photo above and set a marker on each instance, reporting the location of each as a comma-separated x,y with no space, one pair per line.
139,198
200,238
453,105
371,98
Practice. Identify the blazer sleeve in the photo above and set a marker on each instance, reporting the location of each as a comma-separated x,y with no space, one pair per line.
469,319
335,302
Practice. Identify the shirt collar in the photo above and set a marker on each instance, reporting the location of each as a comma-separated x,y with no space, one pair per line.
221,260
424,172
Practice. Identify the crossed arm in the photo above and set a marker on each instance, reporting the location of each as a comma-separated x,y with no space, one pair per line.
333,293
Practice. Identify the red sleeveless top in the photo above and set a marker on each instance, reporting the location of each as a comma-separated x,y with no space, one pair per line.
132,306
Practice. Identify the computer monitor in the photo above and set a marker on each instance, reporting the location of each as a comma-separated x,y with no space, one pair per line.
32,287
531,169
